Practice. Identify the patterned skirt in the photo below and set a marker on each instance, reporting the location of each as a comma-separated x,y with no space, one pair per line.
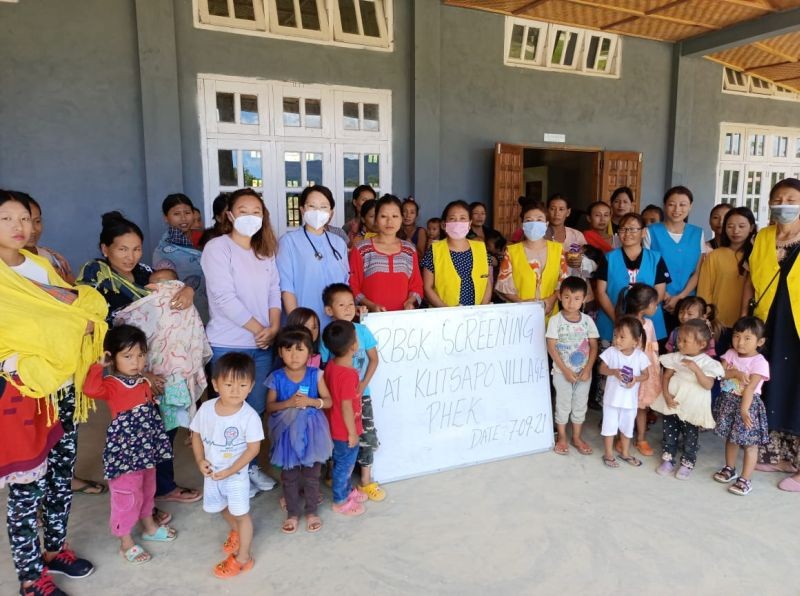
300,437
135,440
727,413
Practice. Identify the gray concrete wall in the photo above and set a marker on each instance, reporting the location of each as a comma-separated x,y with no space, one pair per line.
70,116
484,101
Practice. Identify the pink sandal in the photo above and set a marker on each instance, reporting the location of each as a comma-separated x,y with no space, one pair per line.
349,508
357,496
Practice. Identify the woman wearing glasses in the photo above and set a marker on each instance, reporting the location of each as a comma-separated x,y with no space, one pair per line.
310,258
629,264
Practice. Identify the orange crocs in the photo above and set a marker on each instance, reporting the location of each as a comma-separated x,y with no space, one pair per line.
231,544
644,448
230,567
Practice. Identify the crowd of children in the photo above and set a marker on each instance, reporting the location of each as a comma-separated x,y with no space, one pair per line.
698,373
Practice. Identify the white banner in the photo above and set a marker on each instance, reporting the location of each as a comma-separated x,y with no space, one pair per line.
459,386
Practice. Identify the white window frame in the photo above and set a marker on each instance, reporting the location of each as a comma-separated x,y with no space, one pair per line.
273,140
552,39
766,165
361,38
731,198
384,114
775,144
384,169
736,86
207,18
303,92
773,92
266,25
264,108
743,146
546,44
276,27
327,172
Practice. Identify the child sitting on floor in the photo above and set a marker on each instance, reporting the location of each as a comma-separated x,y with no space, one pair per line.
739,411
135,440
685,401
301,440
572,344
227,435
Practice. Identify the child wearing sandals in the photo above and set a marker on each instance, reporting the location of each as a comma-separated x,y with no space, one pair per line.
739,411
227,434
345,416
685,402
641,301
626,366
572,344
135,441
301,440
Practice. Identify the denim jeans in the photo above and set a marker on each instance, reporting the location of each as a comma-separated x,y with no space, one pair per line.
344,460
257,398
165,470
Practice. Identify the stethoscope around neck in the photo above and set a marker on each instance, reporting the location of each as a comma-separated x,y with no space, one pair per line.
318,255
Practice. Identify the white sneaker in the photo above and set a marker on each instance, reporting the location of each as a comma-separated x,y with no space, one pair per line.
253,491
259,479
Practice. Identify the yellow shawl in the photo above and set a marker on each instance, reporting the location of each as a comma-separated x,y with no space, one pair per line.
48,335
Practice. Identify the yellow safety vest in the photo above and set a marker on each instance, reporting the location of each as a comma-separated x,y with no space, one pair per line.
447,282
763,266
525,278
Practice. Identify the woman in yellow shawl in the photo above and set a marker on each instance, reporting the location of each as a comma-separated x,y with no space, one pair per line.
50,333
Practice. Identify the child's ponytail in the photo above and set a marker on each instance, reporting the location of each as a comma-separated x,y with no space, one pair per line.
714,324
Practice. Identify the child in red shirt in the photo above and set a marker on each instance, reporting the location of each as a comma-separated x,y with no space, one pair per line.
345,415
135,441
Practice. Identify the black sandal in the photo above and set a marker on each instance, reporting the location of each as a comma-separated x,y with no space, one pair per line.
725,475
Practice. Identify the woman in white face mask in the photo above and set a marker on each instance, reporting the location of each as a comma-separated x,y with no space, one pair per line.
772,293
311,258
533,269
244,295
456,271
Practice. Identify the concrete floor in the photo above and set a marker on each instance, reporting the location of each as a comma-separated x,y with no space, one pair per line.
539,524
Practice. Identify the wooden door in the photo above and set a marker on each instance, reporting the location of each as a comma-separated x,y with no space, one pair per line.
508,187
621,168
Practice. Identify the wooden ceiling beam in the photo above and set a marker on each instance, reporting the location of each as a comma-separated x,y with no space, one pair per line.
527,7
654,13
752,69
761,5
775,52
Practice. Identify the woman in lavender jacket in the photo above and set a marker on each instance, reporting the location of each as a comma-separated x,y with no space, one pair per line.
244,295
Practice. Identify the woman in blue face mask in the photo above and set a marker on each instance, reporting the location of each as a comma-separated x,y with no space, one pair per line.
772,291
533,269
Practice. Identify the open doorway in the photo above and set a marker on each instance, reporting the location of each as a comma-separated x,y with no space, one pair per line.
583,174
570,173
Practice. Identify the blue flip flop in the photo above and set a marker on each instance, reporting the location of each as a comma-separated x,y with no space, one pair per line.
160,535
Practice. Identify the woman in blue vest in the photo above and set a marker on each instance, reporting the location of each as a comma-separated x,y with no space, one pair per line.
681,244
629,264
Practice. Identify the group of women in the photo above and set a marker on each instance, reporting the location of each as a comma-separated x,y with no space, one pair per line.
244,281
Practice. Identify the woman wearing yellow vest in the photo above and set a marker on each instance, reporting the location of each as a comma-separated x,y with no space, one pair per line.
773,283
533,268
455,271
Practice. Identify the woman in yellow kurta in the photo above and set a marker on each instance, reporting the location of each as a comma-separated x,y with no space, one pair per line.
774,285
722,272
533,269
456,271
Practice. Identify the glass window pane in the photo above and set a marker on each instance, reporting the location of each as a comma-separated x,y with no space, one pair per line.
291,111
313,168
734,182
350,114
369,18
558,47
313,113
292,210
347,15
515,47
351,179
309,15
243,9
251,166
292,167
797,148
225,109
532,43
372,170
286,15
591,53
726,178
248,109
605,49
371,117
569,57
218,8
226,158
